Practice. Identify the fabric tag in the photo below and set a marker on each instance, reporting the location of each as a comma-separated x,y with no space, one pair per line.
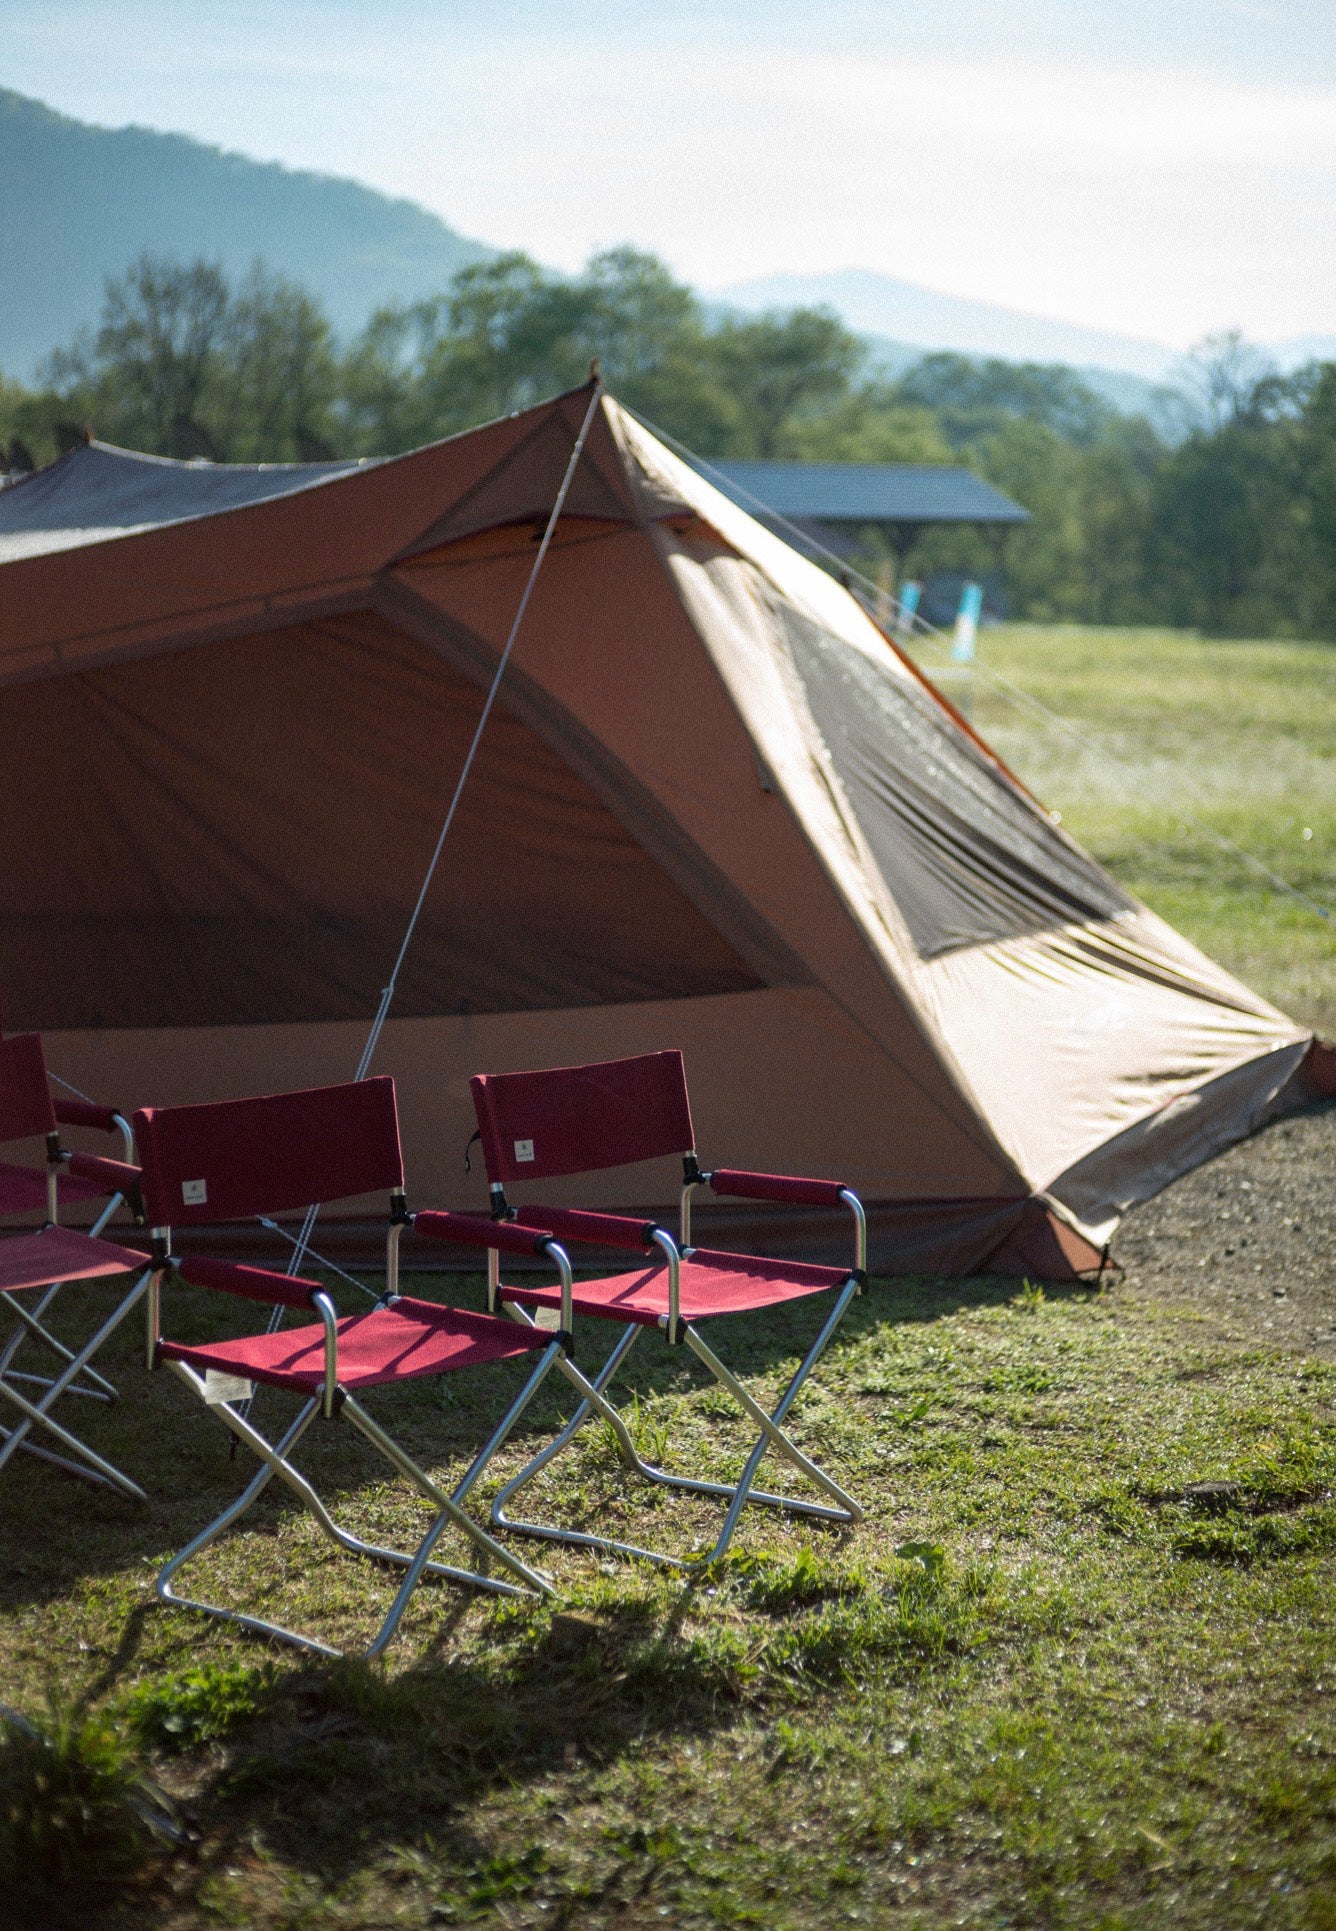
523,1151
547,1317
219,1388
195,1193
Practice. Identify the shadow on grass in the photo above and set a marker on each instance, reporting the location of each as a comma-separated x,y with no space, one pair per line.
338,1766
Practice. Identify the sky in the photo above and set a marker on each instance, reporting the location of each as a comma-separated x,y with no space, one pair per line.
1164,168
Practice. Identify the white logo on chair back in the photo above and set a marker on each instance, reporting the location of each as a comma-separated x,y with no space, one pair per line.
195,1193
523,1151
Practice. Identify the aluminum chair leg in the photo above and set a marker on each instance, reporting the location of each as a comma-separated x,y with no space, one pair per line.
30,1324
842,1508
37,1415
275,1461
30,1318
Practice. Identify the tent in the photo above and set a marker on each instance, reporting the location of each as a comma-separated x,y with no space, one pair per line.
714,808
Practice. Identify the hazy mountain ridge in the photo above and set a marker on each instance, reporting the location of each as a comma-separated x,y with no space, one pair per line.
914,319
78,203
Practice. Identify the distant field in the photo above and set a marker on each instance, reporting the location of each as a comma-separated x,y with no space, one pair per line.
1241,735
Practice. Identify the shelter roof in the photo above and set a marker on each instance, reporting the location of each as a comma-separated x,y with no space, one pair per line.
97,491
865,492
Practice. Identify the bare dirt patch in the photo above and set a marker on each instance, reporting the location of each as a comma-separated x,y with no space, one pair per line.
1249,1239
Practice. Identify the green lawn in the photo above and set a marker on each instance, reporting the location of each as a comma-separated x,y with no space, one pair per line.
1241,736
1050,1682
1040,1686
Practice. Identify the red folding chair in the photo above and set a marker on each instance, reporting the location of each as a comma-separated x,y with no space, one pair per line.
581,1119
34,1266
242,1158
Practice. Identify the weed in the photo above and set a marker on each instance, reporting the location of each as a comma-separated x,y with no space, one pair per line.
196,1706
77,1817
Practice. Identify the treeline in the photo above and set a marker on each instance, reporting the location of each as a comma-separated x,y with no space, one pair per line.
1219,515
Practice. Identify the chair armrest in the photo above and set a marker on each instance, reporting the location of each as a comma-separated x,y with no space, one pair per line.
105,1119
595,1230
259,1284
797,1192
619,1230
85,1113
505,1237
251,1283
778,1186
479,1230
117,1176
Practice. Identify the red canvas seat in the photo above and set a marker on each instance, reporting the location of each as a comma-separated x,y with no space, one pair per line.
710,1283
407,1341
34,1266
283,1152
578,1119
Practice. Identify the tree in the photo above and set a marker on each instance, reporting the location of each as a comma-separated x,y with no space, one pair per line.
278,375
144,377
974,397
782,371
871,424
1218,381
182,366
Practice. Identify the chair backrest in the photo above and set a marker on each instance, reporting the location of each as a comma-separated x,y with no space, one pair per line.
25,1097
237,1158
576,1119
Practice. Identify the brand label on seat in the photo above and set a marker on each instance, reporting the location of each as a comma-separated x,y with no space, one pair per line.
523,1151
195,1193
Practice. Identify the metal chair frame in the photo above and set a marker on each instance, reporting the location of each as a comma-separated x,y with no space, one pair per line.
839,1508
30,1319
75,1375
334,1403
36,1415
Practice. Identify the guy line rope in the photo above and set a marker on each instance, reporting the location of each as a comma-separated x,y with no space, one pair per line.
387,995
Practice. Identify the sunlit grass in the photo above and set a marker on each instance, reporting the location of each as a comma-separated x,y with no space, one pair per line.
1051,1681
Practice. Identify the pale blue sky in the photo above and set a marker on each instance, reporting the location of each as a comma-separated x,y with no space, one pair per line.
1163,167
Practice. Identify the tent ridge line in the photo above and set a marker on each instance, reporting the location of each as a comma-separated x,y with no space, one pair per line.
165,638
545,412
681,858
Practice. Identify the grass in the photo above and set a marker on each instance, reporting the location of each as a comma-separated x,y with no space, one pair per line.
1078,1668
1241,736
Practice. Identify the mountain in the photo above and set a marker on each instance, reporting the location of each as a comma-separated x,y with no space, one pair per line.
78,203
922,318
1130,395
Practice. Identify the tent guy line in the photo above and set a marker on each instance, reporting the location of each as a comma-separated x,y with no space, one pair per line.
303,1241
874,598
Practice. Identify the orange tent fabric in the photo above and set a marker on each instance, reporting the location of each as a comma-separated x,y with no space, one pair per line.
713,809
